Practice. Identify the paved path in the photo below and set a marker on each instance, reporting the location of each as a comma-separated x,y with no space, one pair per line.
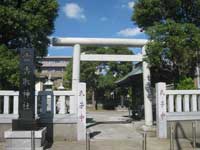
112,125
111,130
153,144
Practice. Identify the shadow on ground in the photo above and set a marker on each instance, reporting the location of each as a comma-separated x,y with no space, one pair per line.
94,123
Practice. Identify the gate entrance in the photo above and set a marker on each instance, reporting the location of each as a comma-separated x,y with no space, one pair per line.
77,57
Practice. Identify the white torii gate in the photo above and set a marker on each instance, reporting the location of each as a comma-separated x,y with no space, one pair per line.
77,57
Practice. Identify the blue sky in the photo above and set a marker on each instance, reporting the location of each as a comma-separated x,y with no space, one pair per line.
94,18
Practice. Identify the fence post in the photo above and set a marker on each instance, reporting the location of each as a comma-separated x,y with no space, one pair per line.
144,142
161,110
171,136
72,104
87,140
194,126
15,105
62,105
6,105
32,140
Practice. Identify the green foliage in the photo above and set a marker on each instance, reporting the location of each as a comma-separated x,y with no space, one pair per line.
68,76
8,69
148,12
173,29
186,84
100,76
173,50
25,23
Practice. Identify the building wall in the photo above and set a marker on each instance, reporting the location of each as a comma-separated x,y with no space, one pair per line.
53,66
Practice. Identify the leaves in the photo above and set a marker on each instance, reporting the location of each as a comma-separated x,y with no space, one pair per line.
32,20
174,47
148,12
173,29
186,84
23,24
9,70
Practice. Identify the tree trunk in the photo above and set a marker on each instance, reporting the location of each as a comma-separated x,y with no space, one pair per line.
93,100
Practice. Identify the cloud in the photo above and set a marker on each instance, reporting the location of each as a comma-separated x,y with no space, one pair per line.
123,6
128,32
103,19
131,4
128,5
74,11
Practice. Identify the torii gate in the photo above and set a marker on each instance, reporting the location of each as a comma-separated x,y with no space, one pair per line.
77,57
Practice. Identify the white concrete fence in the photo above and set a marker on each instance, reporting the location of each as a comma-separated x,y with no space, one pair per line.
175,105
46,102
56,102
64,106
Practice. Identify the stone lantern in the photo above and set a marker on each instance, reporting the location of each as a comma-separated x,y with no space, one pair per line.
48,86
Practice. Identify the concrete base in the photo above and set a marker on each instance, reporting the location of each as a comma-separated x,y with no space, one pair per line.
60,127
183,129
4,127
24,124
150,130
21,140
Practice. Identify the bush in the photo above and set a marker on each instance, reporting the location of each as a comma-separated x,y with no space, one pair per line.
186,83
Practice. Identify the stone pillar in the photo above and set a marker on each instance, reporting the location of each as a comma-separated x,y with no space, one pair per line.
76,74
81,127
147,92
161,110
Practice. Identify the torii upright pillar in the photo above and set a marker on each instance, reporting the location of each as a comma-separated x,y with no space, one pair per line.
147,91
75,75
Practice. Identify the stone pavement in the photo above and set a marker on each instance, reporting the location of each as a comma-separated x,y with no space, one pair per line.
111,130
152,144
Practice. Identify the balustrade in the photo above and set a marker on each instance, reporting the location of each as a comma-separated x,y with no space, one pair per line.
175,105
55,102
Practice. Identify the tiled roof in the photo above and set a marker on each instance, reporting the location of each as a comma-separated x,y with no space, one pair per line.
136,70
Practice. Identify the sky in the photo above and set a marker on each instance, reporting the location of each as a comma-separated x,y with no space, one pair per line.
95,19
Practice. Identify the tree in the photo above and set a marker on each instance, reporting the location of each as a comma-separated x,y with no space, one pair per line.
8,68
173,29
23,24
100,76
148,12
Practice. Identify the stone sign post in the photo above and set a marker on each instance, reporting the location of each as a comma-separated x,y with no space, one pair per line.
25,133
26,119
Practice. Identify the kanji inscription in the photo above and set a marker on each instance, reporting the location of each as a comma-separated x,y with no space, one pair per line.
27,83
